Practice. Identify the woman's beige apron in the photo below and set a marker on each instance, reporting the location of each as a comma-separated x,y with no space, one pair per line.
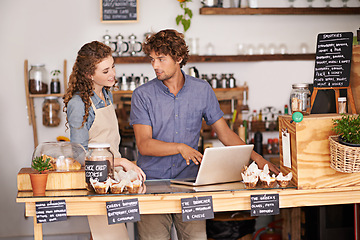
105,129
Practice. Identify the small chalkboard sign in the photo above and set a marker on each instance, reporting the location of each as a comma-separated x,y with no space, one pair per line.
119,10
333,60
97,170
197,208
266,204
123,211
50,211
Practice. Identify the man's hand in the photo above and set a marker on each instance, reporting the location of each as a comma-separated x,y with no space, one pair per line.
261,162
190,154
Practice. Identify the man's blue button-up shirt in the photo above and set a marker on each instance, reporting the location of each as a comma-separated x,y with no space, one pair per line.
173,119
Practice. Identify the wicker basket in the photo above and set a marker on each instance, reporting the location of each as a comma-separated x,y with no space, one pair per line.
344,158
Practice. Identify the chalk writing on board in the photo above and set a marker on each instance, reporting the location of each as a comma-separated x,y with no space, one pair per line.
119,10
333,59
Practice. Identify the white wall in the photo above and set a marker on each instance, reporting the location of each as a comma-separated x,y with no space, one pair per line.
48,32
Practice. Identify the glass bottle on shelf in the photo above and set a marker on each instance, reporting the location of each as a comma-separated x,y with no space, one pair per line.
50,110
232,81
223,81
213,81
38,81
55,82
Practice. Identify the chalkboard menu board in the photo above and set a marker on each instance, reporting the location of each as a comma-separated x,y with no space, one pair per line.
119,10
50,211
263,205
333,60
197,208
123,211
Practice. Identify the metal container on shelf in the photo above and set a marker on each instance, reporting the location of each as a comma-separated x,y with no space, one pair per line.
38,80
51,109
300,98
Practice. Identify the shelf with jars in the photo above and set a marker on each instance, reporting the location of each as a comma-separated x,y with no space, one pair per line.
280,11
225,58
37,85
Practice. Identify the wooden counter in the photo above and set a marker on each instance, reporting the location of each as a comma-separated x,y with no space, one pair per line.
81,203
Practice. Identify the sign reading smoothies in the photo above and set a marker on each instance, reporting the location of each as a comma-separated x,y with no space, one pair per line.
333,60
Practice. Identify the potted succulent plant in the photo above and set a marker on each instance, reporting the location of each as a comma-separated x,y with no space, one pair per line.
348,129
38,180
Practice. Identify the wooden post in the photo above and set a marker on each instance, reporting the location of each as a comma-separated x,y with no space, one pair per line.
38,233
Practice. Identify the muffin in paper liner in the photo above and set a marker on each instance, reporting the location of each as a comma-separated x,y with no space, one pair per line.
100,187
250,181
118,187
283,181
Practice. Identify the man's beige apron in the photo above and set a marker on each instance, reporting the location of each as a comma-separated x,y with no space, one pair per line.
105,129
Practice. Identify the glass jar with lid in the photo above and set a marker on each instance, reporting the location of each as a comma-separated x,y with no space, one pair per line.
38,81
300,98
99,163
51,110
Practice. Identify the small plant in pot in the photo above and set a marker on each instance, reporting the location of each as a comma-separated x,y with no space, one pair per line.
348,129
38,180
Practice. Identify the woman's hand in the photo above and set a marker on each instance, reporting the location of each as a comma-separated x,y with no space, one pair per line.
190,154
128,165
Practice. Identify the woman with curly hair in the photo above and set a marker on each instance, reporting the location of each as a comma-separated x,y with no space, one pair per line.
91,117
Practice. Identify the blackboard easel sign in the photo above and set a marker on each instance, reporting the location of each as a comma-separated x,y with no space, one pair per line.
333,65
333,59
113,11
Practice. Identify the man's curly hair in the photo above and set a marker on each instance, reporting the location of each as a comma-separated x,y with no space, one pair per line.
167,42
80,81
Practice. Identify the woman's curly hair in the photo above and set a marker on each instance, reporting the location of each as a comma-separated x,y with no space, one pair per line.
168,42
80,81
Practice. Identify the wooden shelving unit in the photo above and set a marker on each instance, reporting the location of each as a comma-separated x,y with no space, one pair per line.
30,98
279,11
226,58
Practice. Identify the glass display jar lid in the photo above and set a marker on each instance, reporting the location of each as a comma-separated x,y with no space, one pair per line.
99,145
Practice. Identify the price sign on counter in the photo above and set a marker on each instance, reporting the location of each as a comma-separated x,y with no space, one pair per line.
50,211
123,211
333,60
262,205
197,208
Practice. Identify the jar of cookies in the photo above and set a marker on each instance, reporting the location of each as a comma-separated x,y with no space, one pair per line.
51,109
99,165
38,81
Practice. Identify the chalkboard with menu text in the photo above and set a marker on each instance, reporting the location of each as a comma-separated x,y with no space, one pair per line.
333,60
119,10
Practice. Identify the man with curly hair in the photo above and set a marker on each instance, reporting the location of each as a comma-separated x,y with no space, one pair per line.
166,114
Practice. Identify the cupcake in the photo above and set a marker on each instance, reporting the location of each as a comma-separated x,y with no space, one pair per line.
250,181
100,187
283,181
266,180
117,187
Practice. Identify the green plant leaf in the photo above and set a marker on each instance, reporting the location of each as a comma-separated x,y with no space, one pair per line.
178,19
188,12
41,164
186,23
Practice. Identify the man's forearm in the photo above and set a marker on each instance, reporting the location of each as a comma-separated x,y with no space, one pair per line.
153,147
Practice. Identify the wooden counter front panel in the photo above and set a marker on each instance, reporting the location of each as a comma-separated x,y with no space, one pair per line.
310,153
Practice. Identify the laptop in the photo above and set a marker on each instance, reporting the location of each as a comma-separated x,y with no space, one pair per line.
220,165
